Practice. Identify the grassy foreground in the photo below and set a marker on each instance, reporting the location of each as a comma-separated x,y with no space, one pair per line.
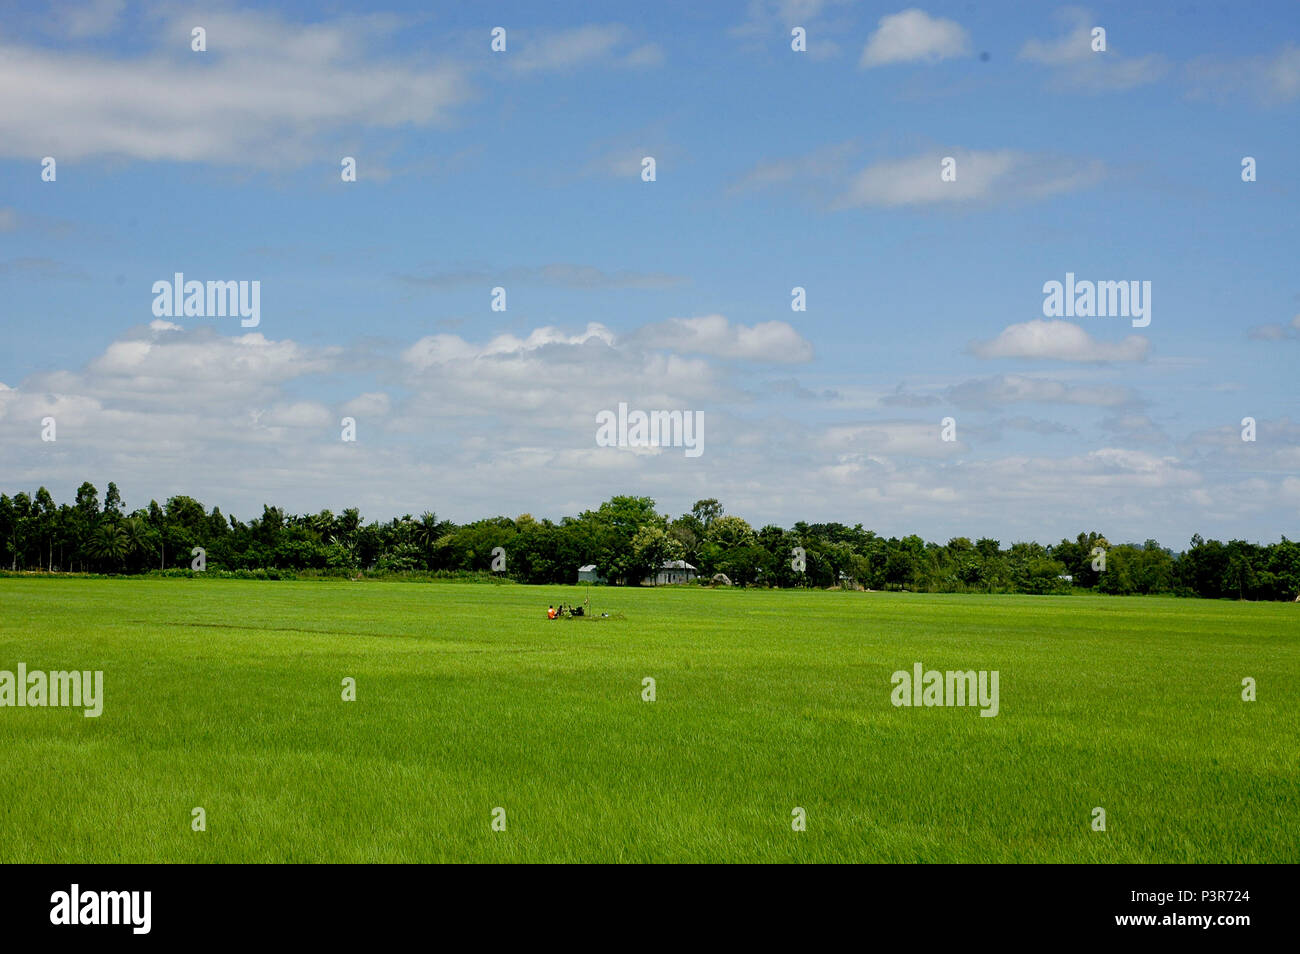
227,695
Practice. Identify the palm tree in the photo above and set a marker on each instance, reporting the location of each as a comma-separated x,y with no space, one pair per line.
426,531
109,542
137,535
323,524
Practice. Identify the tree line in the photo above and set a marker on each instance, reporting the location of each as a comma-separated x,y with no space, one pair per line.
627,539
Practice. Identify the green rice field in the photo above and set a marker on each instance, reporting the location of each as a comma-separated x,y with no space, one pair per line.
228,696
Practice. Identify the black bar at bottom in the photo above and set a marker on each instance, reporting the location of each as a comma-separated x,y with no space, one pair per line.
305,903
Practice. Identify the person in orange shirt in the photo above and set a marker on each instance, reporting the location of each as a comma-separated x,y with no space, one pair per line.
550,612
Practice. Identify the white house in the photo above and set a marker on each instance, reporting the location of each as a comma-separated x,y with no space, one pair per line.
589,574
672,571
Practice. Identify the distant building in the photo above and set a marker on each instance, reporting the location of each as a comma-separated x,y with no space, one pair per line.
589,574
672,571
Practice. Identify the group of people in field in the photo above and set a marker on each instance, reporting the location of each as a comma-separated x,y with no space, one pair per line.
564,610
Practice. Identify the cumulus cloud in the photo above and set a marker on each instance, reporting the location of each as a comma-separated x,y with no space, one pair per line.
162,397
172,409
1059,341
164,362
505,423
913,35
772,341
442,349
268,91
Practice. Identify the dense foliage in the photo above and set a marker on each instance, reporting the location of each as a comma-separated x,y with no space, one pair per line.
625,538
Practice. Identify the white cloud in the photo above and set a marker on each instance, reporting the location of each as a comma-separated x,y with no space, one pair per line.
441,349
772,341
1079,66
1037,426
891,439
1004,389
828,162
1276,448
1059,341
205,356
980,176
914,35
1075,46
769,22
645,55
265,93
1267,79
1283,73
1135,428
546,380
303,414
582,46
765,16
372,403
623,161
506,424
1275,332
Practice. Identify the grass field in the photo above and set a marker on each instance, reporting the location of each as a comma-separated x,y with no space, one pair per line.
227,695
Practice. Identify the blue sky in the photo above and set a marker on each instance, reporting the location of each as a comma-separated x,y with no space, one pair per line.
775,169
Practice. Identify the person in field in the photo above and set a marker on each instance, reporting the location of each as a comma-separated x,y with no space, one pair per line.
551,612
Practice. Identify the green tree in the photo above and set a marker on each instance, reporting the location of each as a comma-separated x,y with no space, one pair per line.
425,536
139,537
108,543
45,517
730,532
112,501
85,519
706,511
651,547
